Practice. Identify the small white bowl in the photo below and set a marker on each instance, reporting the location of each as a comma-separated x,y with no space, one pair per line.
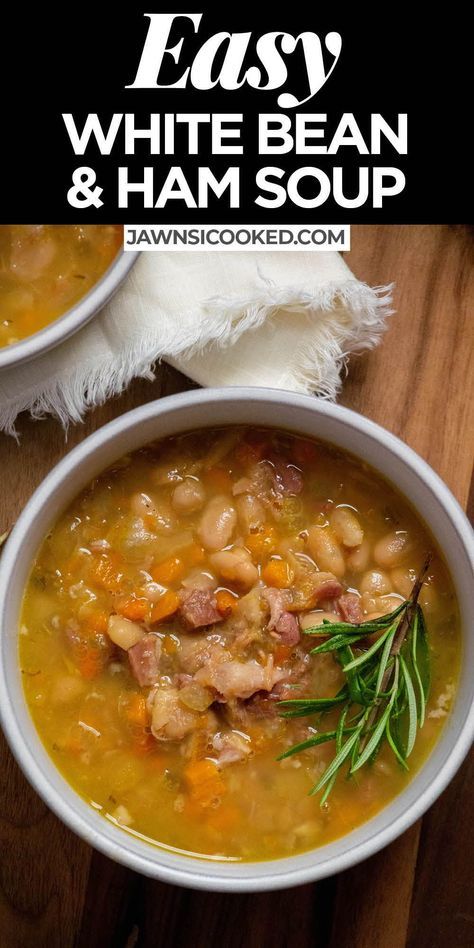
254,406
74,318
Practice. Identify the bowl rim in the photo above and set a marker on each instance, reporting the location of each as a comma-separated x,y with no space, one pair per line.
73,318
75,812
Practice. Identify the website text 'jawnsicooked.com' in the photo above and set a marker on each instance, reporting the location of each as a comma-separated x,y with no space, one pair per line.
244,237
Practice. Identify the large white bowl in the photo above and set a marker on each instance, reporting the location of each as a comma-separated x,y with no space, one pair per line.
179,413
74,318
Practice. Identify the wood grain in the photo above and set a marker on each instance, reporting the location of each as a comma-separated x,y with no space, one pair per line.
419,892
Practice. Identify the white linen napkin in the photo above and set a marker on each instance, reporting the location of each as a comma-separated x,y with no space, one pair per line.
286,320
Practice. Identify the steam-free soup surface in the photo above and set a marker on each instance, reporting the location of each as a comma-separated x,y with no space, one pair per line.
46,268
164,620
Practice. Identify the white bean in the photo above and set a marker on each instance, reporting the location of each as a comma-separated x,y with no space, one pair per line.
143,505
358,559
66,689
428,598
325,550
200,579
236,566
375,582
346,526
251,512
124,632
309,619
392,549
386,604
218,523
403,580
189,496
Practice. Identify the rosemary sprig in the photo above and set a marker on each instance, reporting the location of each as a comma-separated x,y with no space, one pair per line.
385,693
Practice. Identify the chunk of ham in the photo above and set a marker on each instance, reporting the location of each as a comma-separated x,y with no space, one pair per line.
288,629
199,608
284,623
278,600
350,609
312,587
270,479
144,658
288,478
236,679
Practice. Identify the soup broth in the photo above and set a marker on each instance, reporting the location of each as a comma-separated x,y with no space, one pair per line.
164,620
46,268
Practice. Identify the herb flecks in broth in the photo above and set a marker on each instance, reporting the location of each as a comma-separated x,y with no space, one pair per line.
165,621
46,268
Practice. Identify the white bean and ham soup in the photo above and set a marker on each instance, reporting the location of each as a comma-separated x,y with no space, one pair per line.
46,268
164,621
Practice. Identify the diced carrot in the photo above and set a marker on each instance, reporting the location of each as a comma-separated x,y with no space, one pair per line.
105,572
277,573
262,542
135,710
282,653
150,522
218,479
303,452
193,555
203,781
143,743
169,645
133,608
168,571
167,604
224,817
226,602
90,661
95,620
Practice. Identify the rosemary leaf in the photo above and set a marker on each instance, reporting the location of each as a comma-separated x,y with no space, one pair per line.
339,737
384,660
339,759
311,742
412,711
394,745
378,733
362,659
299,707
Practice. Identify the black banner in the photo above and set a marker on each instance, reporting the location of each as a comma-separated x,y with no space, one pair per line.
384,137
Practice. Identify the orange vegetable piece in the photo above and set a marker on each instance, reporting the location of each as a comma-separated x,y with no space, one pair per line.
136,710
218,479
90,662
167,604
203,781
133,608
226,602
105,572
143,743
282,653
150,522
95,620
169,571
193,555
262,542
277,573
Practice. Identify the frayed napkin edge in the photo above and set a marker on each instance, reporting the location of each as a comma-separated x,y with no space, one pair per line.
222,322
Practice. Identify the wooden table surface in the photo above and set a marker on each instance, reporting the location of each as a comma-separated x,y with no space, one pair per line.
56,891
